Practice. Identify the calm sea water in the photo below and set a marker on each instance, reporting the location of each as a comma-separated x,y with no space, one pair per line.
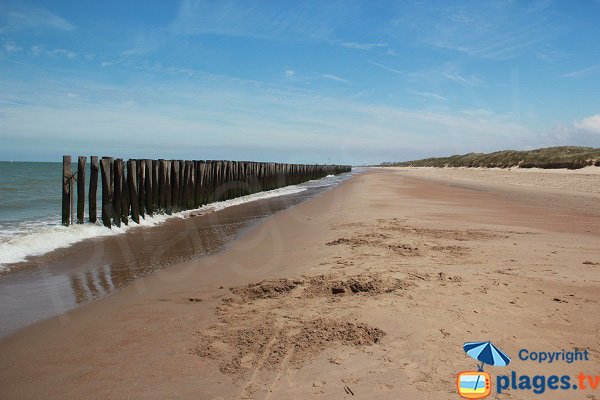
30,212
29,196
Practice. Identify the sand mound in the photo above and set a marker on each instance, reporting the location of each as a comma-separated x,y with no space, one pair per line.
267,345
266,289
319,286
323,285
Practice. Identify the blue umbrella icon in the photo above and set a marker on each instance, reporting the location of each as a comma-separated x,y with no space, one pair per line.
487,353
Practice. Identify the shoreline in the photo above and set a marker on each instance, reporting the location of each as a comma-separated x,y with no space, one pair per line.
90,269
434,264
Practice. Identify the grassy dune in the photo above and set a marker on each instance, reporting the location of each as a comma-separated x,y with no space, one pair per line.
570,157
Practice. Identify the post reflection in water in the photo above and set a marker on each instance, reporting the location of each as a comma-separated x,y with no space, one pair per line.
56,282
116,263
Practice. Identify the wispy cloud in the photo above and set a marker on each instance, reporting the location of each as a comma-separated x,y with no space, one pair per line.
145,42
256,19
11,47
362,46
468,81
444,74
430,95
491,30
387,68
581,73
22,17
38,50
61,53
335,78
208,111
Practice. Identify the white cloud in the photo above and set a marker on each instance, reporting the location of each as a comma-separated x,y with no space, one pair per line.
430,95
289,73
493,30
208,110
591,124
382,66
11,47
37,49
581,73
362,46
281,20
335,78
24,17
62,53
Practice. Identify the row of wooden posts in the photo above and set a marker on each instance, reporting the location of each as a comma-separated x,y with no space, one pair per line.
136,188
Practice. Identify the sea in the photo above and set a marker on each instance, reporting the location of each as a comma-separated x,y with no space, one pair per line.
42,273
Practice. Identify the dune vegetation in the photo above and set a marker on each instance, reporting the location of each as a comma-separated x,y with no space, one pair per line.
570,157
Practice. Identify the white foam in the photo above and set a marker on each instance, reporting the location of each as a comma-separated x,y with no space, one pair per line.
35,239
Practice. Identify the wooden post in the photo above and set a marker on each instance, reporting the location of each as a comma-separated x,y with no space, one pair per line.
175,185
93,189
141,168
181,184
196,188
125,204
80,188
133,195
117,194
162,185
107,210
66,191
201,183
168,194
155,187
148,186
186,185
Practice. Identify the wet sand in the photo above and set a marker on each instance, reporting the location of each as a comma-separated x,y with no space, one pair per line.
367,291
67,278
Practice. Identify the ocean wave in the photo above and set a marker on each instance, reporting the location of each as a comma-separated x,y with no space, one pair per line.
31,238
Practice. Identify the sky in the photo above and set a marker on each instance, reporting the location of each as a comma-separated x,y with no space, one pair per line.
304,81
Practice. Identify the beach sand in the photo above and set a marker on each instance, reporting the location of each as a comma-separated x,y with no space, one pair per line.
366,291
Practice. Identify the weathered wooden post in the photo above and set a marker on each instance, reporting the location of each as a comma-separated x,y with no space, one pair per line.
132,183
189,185
66,191
125,205
93,189
175,185
117,194
162,185
141,185
168,194
80,188
196,189
209,181
107,210
181,184
148,186
185,192
155,187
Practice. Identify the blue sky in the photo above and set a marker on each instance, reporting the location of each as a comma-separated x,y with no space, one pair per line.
304,81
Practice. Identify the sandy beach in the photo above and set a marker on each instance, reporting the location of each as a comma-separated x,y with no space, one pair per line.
368,290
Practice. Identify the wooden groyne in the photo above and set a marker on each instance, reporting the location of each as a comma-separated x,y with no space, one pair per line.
135,188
